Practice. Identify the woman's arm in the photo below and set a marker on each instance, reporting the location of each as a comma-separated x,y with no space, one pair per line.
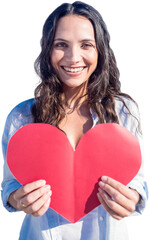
120,200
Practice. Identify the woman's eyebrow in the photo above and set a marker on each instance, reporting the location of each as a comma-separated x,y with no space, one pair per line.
61,39
83,40
87,40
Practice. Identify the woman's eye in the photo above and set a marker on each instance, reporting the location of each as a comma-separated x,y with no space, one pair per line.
87,45
60,45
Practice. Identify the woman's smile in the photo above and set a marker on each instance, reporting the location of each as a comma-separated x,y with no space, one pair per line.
73,71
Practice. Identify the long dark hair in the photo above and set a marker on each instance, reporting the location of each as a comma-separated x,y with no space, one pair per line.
103,86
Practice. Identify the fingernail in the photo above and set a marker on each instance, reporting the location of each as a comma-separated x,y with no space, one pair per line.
101,184
47,187
43,182
104,179
49,200
100,190
49,193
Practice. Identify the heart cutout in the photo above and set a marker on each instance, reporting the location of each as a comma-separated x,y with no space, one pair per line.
41,151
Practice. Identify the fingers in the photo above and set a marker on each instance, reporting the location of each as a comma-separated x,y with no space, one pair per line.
116,198
118,194
29,188
114,209
107,181
33,198
43,209
40,206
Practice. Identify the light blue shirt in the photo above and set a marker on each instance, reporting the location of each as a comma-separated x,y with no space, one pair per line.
98,224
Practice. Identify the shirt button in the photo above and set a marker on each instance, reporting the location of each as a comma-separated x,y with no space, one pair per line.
101,218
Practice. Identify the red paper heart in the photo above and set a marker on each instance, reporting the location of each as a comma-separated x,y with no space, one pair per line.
41,151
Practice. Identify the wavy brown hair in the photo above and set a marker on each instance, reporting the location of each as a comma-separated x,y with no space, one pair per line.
103,86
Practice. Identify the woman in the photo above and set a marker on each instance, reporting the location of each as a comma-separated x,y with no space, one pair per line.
79,89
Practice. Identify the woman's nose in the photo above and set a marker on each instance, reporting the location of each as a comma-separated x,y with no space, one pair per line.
73,55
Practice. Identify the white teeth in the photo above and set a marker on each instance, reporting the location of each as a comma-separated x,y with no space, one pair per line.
73,70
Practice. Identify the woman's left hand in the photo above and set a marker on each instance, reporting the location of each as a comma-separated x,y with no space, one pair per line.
117,199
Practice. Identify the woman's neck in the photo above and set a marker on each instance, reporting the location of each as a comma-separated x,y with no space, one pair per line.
74,97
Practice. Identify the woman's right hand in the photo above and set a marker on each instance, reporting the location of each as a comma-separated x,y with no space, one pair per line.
33,198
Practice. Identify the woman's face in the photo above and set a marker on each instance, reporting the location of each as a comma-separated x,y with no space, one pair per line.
74,54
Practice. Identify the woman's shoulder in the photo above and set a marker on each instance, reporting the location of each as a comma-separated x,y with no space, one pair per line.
128,114
126,106
23,107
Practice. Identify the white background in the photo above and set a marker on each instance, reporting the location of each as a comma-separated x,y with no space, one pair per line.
21,26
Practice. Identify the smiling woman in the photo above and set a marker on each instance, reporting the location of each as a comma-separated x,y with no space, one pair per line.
79,89
74,58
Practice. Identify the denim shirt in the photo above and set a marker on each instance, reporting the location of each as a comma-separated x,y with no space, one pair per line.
96,225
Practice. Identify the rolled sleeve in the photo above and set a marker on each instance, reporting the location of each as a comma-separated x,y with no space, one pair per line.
129,121
8,188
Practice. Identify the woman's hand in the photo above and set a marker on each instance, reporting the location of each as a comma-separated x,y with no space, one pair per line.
33,198
117,199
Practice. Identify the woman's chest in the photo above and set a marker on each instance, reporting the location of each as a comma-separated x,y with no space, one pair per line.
75,125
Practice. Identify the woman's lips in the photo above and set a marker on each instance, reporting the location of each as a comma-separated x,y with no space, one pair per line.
73,70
